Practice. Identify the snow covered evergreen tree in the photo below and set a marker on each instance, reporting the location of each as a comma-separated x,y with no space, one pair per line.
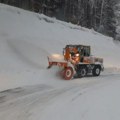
117,15
109,21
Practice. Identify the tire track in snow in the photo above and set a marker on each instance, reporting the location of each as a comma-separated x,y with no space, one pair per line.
20,107
24,103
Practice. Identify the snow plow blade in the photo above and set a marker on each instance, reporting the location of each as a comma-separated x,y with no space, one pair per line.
56,60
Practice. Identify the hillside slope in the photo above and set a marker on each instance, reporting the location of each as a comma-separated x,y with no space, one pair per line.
26,39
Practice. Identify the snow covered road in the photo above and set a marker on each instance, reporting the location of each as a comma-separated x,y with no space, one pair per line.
87,99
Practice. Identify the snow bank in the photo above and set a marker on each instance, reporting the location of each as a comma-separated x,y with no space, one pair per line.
26,39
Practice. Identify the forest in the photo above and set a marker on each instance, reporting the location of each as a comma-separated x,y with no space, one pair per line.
99,15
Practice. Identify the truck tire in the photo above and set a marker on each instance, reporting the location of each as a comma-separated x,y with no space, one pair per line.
68,73
83,72
96,70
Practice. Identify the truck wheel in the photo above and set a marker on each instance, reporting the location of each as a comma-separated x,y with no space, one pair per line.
68,73
96,71
83,72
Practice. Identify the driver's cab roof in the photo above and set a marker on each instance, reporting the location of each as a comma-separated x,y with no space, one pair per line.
77,46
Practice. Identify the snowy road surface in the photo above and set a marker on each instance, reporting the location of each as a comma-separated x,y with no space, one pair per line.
80,99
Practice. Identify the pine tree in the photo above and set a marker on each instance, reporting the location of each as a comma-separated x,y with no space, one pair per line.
117,16
109,22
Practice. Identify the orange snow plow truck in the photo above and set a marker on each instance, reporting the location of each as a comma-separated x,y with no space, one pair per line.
77,61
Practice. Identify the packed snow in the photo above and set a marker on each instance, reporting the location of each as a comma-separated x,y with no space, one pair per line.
30,91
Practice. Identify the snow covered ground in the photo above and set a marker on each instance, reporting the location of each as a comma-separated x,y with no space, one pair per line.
29,91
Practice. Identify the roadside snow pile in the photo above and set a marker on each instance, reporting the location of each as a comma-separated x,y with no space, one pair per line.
26,39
